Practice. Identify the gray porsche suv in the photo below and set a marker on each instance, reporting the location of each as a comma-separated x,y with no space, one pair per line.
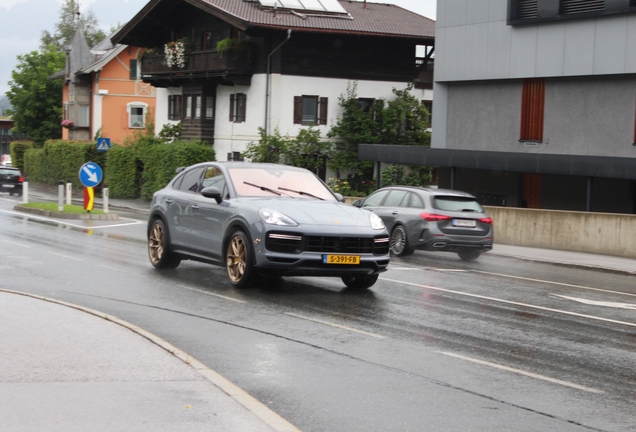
432,219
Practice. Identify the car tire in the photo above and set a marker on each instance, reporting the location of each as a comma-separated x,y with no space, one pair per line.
468,254
159,252
399,243
360,282
238,259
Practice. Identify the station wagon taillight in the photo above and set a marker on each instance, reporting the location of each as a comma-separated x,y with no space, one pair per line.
20,179
486,220
432,217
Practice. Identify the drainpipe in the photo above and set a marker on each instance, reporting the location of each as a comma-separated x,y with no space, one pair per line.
269,57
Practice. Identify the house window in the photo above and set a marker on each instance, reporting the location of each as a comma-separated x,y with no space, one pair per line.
310,110
532,107
234,156
207,41
66,111
134,70
197,106
83,119
238,101
136,115
188,106
174,107
366,104
209,107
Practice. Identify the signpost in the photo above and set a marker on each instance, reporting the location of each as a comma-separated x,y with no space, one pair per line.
103,144
90,175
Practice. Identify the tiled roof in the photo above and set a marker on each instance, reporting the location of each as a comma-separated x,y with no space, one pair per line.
375,18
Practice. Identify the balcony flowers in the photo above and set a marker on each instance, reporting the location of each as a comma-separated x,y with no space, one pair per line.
176,53
68,124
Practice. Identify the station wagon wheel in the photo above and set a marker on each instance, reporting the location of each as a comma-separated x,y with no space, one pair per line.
399,244
468,254
159,252
360,282
238,259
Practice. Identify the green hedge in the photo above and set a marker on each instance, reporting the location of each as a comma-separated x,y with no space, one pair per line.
17,149
136,170
61,160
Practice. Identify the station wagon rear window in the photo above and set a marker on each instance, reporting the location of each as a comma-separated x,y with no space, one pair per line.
456,203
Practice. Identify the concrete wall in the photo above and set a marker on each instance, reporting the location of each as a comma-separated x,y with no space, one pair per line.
601,233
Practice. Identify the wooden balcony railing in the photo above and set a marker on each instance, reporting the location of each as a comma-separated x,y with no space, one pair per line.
204,63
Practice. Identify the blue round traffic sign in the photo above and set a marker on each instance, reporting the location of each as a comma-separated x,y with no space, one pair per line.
90,174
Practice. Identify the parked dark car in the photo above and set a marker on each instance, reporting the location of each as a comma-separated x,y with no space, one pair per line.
11,180
432,219
264,219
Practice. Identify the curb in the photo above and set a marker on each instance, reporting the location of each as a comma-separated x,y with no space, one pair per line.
62,215
598,268
252,404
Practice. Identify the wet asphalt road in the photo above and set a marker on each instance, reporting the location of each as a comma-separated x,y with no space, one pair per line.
437,344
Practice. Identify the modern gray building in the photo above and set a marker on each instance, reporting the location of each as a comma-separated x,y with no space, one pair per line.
535,103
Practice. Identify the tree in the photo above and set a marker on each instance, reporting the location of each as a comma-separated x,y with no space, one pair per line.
405,120
268,149
355,126
65,28
35,99
307,151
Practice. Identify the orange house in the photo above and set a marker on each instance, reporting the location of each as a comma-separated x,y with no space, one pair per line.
103,94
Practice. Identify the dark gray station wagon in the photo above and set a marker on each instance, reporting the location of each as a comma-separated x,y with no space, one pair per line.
264,219
432,219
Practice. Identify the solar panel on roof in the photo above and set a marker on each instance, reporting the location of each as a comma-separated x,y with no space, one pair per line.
332,6
306,5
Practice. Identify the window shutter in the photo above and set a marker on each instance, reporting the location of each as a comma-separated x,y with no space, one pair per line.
232,104
133,69
298,109
171,107
532,109
243,107
322,119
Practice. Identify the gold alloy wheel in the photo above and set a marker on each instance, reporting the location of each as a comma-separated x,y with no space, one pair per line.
236,259
155,243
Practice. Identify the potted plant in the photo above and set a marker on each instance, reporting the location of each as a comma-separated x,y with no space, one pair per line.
176,53
68,124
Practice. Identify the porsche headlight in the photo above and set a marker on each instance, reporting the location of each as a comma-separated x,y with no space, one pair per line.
273,217
376,222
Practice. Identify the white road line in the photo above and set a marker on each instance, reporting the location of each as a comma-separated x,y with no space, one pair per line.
336,325
17,244
405,268
514,303
555,283
616,305
63,256
65,221
212,294
522,372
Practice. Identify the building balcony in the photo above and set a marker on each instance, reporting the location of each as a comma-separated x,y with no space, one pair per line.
232,66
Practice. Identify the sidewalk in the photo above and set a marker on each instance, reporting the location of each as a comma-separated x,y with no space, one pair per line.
64,370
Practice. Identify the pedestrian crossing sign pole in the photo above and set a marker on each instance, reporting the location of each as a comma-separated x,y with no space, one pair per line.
103,144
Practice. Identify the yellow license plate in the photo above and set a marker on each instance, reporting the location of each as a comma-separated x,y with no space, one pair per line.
341,259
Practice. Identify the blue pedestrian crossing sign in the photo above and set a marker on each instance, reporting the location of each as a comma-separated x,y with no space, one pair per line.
103,144
90,174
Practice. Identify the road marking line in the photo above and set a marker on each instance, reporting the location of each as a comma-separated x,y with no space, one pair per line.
211,294
513,303
64,222
17,244
336,325
597,303
63,256
522,372
555,283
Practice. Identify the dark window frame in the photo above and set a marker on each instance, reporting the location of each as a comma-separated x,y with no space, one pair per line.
175,107
322,106
238,107
525,12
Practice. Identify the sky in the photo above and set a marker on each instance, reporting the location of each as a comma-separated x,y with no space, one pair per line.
23,21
